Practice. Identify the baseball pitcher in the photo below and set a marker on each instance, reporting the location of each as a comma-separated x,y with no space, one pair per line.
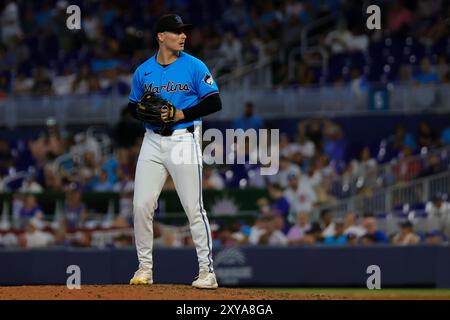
170,93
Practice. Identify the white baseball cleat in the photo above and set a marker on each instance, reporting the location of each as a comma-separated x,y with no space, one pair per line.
206,280
142,276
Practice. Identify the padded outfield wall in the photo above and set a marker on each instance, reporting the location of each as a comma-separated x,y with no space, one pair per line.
414,266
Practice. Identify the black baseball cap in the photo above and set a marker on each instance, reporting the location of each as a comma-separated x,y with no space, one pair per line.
171,22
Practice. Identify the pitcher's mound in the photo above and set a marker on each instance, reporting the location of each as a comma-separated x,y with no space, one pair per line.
144,292
186,292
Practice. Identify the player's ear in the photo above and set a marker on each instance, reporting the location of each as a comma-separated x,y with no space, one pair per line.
160,36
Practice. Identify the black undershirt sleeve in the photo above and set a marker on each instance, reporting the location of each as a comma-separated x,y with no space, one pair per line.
132,109
206,107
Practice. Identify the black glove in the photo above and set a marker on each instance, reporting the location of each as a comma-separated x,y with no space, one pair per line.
151,106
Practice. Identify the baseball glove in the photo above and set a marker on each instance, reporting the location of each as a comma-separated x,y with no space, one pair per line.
151,106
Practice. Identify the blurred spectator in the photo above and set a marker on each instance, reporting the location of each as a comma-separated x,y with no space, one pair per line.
49,145
433,166
88,171
300,195
358,82
438,210
249,120
34,237
75,213
42,83
280,205
286,148
64,82
326,223
212,179
166,236
286,169
22,84
352,239
81,239
405,74
6,158
81,83
29,210
400,139
358,39
337,40
334,143
305,146
365,169
368,239
297,231
53,180
399,17
313,129
10,22
435,237
304,75
225,237
351,225
231,52
123,241
445,136
4,86
406,235
312,235
408,167
125,183
102,184
9,240
426,136
425,74
125,163
265,232
313,176
30,185
338,238
373,234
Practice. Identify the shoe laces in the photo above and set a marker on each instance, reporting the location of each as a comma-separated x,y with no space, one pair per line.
203,275
142,272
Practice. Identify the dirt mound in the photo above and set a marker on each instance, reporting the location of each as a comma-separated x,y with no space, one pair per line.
152,292
181,292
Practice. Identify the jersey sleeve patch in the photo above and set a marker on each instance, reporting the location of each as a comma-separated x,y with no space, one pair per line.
208,79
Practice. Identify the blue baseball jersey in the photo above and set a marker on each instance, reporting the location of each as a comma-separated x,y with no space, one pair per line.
184,83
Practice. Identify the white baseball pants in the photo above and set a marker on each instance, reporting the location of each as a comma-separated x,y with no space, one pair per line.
180,156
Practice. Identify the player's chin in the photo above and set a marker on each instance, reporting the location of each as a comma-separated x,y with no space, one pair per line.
181,47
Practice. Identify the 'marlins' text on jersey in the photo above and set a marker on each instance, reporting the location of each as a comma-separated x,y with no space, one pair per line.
169,87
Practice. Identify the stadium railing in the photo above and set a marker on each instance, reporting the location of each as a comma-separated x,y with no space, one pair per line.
400,202
395,171
271,104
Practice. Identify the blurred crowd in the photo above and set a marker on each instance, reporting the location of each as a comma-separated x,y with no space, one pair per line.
313,172
271,229
274,225
39,55
314,162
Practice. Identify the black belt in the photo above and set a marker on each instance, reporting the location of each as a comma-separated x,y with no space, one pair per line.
166,132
